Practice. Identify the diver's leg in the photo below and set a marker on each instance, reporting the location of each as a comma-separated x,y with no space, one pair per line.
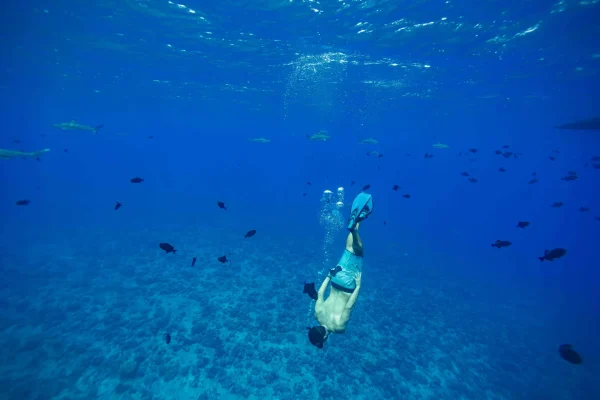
353,243
343,275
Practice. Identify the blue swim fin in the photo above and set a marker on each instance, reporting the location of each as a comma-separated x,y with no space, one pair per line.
362,206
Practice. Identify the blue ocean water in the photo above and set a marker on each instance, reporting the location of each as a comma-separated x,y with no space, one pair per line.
87,295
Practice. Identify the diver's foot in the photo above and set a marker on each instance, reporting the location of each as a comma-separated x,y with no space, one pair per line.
355,229
362,206
357,221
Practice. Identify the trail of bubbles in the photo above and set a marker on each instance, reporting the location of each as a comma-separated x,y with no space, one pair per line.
332,220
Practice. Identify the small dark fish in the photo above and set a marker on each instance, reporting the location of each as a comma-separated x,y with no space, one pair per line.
552,158
595,158
366,187
150,137
464,174
250,233
22,202
137,179
569,178
352,183
66,150
567,353
523,224
472,180
531,182
406,196
309,289
193,261
584,209
167,338
38,159
427,155
223,259
557,204
501,243
596,165
501,169
379,156
506,146
473,150
556,151
395,188
118,205
16,141
508,154
303,194
498,152
221,205
597,218
384,222
309,183
550,255
168,248
533,173
572,172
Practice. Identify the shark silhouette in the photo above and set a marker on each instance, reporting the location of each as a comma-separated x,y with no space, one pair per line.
584,125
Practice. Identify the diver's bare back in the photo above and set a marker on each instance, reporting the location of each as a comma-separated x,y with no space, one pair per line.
331,312
334,312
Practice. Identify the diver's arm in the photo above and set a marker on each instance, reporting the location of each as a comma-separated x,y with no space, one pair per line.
353,297
349,306
322,289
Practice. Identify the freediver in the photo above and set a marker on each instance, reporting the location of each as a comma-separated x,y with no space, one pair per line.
334,312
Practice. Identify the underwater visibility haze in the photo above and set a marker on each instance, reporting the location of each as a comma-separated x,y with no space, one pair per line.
180,180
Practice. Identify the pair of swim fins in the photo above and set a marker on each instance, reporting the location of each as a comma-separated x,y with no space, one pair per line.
362,206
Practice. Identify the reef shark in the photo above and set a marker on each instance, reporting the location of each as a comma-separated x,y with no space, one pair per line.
260,140
585,125
74,126
375,154
369,140
439,145
8,154
321,135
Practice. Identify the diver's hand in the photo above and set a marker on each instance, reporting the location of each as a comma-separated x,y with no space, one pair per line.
358,278
334,271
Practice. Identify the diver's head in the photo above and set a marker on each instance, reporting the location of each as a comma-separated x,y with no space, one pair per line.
318,335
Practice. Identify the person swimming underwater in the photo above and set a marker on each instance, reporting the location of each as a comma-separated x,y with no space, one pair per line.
334,312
